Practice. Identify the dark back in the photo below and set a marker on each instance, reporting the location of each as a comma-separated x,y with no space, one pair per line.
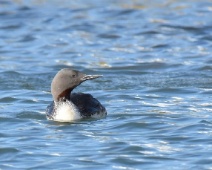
87,104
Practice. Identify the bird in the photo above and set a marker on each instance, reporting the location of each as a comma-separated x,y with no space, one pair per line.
67,106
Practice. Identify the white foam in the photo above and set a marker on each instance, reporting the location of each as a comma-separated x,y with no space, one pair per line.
99,115
66,112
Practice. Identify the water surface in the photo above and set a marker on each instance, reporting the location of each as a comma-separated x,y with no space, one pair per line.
155,58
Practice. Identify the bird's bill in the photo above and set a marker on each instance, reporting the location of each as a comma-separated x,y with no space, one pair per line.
90,77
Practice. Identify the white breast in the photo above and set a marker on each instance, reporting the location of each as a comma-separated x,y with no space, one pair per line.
66,112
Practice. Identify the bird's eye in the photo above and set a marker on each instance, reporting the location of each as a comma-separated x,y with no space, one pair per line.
73,75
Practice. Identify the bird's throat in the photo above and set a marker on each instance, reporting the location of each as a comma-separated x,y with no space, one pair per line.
65,95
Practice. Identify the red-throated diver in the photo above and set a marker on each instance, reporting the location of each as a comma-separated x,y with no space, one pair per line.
69,106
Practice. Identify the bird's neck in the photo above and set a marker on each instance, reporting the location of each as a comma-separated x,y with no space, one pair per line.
65,95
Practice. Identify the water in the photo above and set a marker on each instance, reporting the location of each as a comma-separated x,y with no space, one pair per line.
156,61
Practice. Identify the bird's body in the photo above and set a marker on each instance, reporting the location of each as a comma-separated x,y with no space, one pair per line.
69,106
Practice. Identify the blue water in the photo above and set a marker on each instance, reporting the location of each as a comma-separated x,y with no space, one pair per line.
155,58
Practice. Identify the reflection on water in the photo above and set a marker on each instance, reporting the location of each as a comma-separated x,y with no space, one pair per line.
155,58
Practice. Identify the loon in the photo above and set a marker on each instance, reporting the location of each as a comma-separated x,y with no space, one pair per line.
68,106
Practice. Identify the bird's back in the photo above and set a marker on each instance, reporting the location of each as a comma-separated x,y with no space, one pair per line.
87,105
